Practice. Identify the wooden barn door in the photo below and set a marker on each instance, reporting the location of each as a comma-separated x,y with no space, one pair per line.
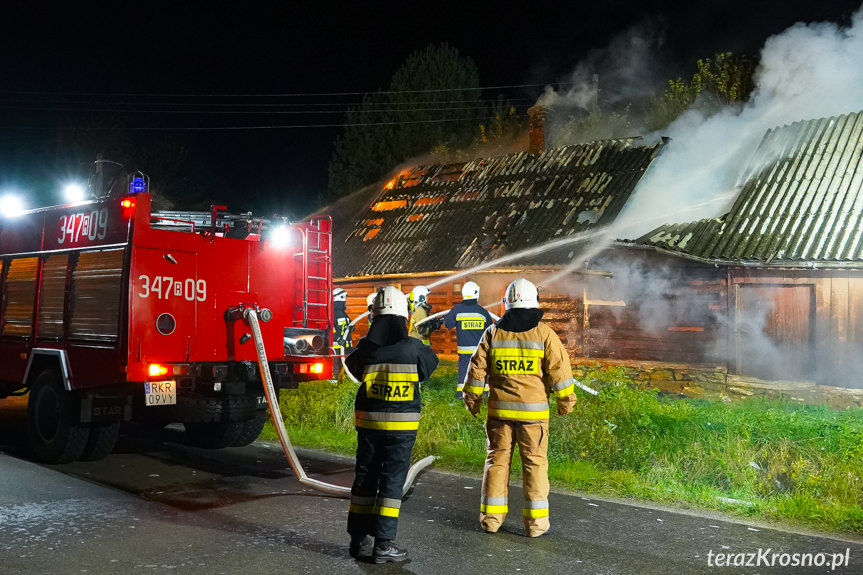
774,331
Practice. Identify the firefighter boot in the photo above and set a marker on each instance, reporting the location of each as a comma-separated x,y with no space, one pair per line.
362,547
386,551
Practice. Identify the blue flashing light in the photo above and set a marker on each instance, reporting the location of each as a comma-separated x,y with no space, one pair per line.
138,185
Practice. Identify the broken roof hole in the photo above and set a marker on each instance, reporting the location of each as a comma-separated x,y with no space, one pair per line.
430,201
371,233
389,205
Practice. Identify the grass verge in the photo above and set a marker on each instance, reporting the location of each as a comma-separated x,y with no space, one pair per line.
769,459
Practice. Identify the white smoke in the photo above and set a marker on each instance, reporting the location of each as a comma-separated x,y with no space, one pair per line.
614,79
808,71
625,71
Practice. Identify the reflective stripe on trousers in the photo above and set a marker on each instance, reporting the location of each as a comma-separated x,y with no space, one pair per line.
494,505
383,506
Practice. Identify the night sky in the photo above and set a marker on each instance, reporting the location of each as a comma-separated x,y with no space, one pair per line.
146,58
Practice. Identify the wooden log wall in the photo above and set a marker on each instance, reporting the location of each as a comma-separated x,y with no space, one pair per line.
694,333
707,304
442,297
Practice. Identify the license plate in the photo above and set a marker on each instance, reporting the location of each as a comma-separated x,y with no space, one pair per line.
160,393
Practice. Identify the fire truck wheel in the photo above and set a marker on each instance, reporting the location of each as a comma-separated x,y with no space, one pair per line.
55,434
103,438
251,429
212,435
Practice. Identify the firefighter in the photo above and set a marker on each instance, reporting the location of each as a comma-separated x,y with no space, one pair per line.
470,320
342,329
370,300
391,366
523,361
420,309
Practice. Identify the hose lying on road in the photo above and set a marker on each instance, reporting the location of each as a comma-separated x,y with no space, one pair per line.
251,318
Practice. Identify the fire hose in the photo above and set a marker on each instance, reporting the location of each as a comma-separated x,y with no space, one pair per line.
359,317
250,315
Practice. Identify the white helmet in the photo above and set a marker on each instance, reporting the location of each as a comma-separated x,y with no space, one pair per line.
521,294
419,295
370,299
390,301
340,295
470,291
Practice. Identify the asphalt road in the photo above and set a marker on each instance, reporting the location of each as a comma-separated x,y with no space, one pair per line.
159,506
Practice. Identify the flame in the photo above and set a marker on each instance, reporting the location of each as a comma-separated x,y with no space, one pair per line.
386,206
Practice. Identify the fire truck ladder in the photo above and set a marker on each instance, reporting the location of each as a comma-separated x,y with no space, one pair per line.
250,315
315,277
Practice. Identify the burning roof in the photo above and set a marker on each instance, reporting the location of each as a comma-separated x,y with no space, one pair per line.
802,203
445,217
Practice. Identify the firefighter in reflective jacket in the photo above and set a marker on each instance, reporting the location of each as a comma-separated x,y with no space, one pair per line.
420,309
470,320
523,361
342,328
386,415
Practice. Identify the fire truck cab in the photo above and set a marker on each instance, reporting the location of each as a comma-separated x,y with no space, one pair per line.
110,312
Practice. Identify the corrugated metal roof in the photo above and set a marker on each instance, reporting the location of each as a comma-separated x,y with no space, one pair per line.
803,202
454,216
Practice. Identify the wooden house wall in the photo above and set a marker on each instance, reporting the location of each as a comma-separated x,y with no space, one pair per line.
688,328
813,320
594,330
564,313
492,287
442,297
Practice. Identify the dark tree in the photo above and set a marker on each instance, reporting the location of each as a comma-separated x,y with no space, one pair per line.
433,100
725,80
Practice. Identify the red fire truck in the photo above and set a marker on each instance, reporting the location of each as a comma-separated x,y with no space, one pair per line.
110,312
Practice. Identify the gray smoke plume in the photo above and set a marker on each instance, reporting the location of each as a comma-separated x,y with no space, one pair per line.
808,71
624,75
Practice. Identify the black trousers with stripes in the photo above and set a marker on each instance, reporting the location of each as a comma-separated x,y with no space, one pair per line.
463,365
383,460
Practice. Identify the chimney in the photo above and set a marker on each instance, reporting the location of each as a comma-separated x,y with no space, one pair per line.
537,117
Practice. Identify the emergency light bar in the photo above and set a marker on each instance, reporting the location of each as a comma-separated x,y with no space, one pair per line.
137,185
